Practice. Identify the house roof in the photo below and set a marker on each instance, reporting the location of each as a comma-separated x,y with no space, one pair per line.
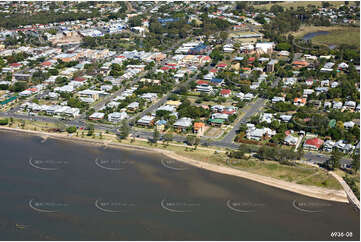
79,79
222,65
301,100
15,64
217,80
46,63
302,63
198,125
225,91
216,120
316,142
332,123
213,70
202,82
251,59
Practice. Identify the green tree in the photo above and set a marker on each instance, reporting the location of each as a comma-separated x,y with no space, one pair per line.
90,130
71,129
191,140
355,163
156,135
196,142
334,161
168,138
124,129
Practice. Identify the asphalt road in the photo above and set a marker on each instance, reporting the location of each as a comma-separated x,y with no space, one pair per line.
253,109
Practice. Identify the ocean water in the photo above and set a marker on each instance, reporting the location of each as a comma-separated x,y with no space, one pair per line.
60,190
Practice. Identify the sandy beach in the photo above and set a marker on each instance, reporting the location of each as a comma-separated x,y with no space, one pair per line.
311,191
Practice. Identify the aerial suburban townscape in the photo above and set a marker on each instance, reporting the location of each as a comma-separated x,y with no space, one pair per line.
267,91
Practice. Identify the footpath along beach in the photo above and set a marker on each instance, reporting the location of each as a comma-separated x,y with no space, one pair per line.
311,191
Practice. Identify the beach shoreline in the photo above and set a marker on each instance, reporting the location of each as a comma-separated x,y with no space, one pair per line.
310,191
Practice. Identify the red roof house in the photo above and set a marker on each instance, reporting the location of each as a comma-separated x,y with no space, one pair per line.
213,70
299,101
15,65
46,63
313,144
221,65
202,82
225,92
251,59
165,68
79,79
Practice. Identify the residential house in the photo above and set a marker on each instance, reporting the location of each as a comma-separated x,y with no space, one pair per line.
307,92
225,92
271,65
111,104
344,147
217,81
199,128
91,94
259,134
204,87
328,145
96,116
248,97
216,122
337,105
230,110
350,105
240,95
223,116
299,101
149,97
313,144
285,118
289,81
327,105
290,140
297,64
133,106
342,66
278,99
146,120
266,117
183,123
348,125
117,117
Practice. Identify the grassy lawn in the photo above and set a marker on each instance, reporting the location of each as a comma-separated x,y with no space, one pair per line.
300,174
296,4
337,35
349,36
34,125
